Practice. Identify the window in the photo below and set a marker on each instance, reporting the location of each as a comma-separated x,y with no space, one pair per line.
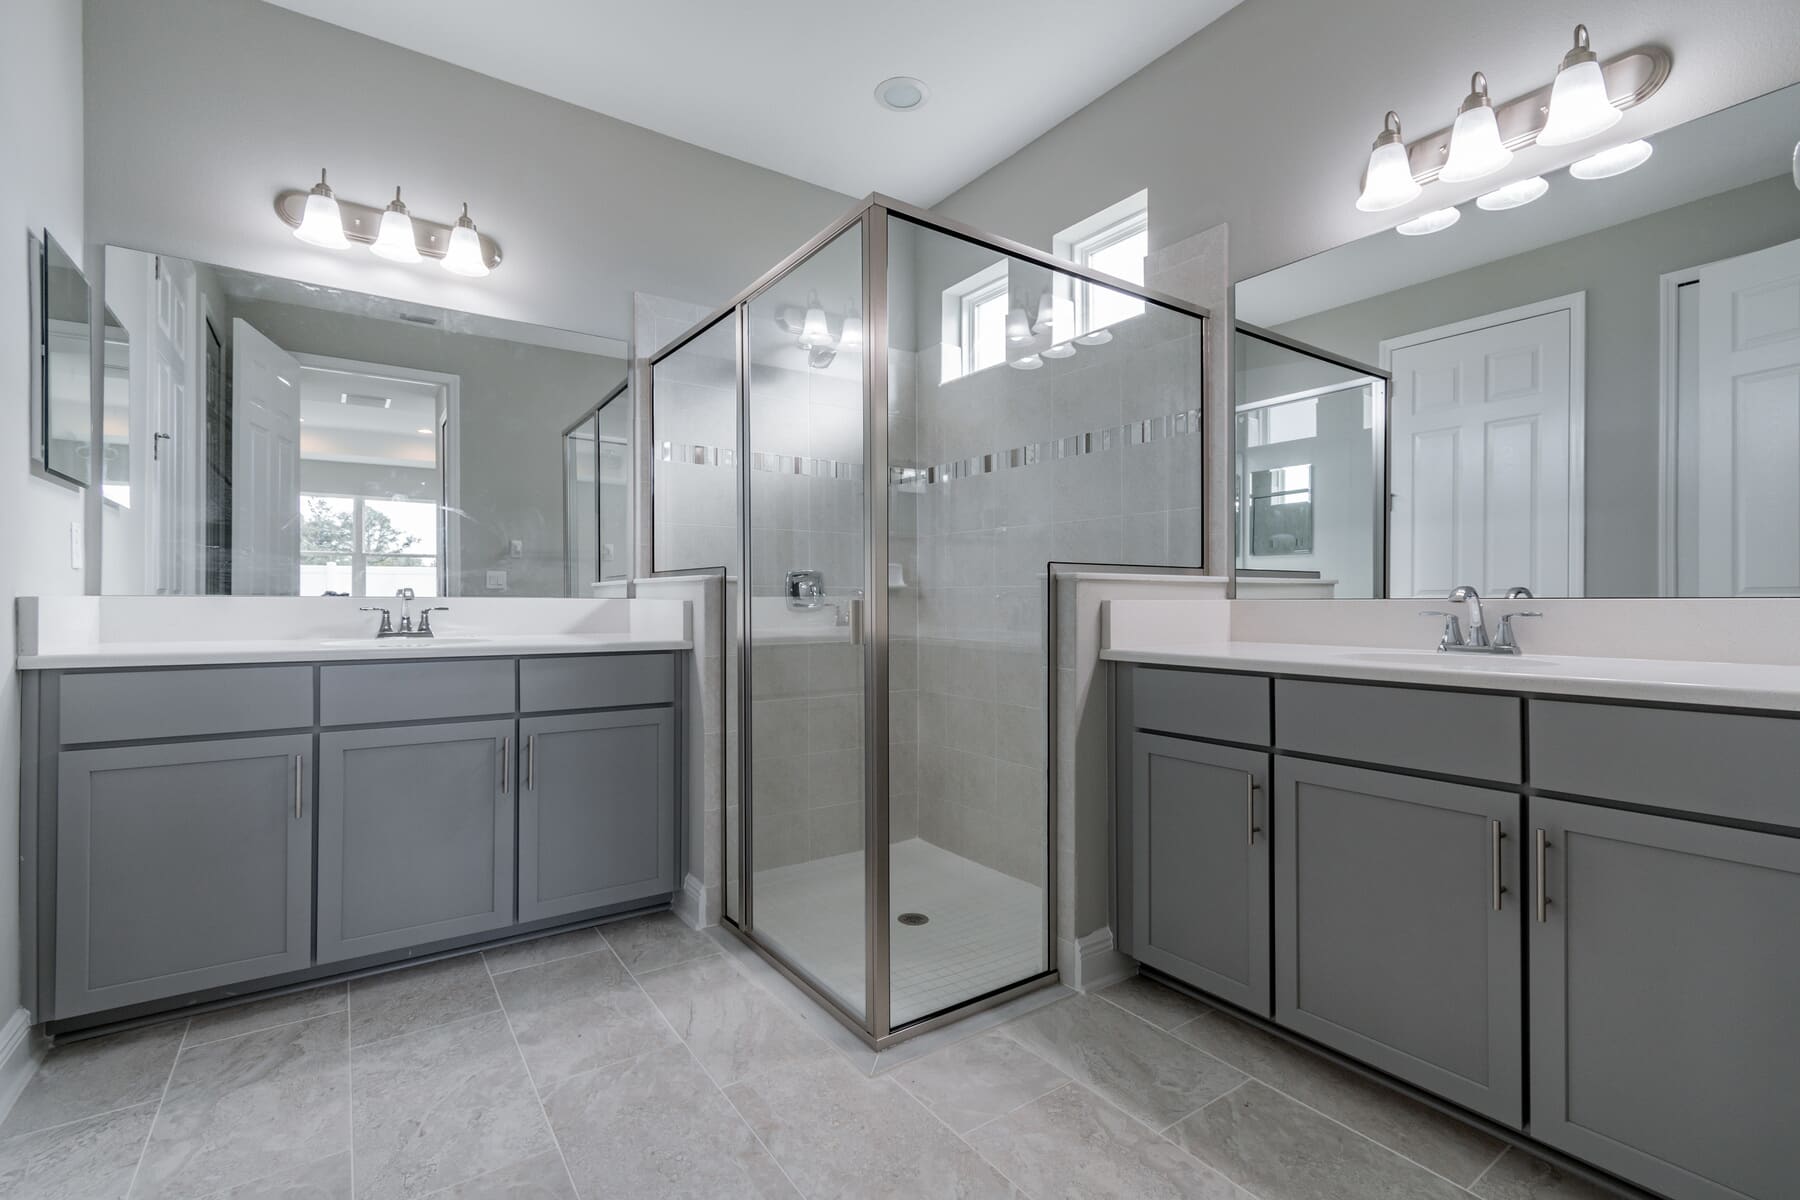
1286,421
1114,240
365,546
975,322
1281,510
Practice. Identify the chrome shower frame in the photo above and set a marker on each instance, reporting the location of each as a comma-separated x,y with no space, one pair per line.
875,1028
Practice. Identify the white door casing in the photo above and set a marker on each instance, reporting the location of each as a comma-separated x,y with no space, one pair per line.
1748,425
174,363
265,465
1487,453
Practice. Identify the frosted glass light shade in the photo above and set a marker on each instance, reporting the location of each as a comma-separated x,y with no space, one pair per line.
1513,195
1388,180
1432,222
1018,326
852,337
814,331
321,224
1614,161
1475,147
395,240
1579,108
464,255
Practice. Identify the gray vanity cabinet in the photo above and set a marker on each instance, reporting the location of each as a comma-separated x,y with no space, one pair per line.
179,867
415,835
1397,927
596,810
1200,876
1664,987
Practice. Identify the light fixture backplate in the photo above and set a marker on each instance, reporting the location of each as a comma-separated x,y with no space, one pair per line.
1631,78
362,223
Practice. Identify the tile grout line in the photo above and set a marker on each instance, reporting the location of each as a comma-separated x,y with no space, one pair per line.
995,1167
111,1112
187,1045
1470,1186
537,1093
1159,1136
162,1096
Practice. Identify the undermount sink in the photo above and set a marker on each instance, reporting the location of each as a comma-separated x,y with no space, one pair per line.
399,643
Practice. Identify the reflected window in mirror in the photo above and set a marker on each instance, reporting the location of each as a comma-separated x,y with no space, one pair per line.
1595,394
1114,241
65,404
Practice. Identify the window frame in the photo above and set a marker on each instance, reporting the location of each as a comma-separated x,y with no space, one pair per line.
359,553
1103,230
961,300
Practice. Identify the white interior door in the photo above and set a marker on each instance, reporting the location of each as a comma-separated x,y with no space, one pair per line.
1486,448
172,507
1749,425
265,465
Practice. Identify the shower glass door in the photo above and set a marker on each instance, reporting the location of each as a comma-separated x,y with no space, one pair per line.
807,568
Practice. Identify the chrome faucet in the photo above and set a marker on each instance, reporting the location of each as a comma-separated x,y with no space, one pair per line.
1476,640
406,596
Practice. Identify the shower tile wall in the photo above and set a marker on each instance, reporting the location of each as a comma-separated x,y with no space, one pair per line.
983,543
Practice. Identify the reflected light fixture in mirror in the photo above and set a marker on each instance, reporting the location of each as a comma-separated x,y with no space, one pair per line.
1513,195
1388,180
852,337
1476,150
1579,107
322,224
1018,326
1432,222
1029,362
1614,161
464,256
396,241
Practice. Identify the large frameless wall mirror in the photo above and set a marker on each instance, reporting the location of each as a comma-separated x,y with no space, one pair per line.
63,412
281,438
886,444
1595,394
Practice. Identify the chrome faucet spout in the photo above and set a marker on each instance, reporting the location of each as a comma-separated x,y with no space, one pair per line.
1476,624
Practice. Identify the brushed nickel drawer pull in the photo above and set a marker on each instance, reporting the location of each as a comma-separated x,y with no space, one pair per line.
530,761
1499,861
505,758
299,785
1543,872
1250,808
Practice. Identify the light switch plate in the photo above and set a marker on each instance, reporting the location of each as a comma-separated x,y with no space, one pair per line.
518,548
496,580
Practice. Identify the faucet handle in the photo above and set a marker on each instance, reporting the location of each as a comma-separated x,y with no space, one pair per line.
425,618
387,618
1453,635
1504,638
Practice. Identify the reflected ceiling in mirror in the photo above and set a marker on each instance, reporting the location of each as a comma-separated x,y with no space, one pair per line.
286,439
1593,393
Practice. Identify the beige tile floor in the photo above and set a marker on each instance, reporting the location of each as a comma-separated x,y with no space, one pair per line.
641,1061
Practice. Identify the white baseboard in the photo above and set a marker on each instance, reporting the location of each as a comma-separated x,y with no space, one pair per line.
1091,962
690,903
18,1058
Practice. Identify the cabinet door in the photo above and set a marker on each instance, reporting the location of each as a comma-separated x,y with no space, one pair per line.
181,867
1398,927
1665,980
596,810
415,835
1200,870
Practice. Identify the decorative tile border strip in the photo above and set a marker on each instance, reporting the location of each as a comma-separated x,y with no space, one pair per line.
1032,454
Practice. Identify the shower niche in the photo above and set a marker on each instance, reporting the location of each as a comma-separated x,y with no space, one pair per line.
886,444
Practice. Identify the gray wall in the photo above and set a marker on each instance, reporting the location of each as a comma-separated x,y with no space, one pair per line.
515,402
200,111
1619,269
1264,118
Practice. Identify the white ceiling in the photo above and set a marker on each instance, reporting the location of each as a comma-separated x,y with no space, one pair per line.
789,84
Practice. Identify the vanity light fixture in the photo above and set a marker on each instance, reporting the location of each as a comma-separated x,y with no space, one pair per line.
1096,337
1018,325
1476,150
814,329
319,218
1046,314
852,336
1579,107
1388,179
1614,161
321,224
1513,195
1060,350
1435,221
396,242
1029,362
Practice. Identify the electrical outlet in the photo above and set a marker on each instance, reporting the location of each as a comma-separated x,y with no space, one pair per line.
496,580
77,552
518,548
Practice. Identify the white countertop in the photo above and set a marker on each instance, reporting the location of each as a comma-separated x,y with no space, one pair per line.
1728,685
162,654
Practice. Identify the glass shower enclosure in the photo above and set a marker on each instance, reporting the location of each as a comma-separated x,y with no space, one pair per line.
886,443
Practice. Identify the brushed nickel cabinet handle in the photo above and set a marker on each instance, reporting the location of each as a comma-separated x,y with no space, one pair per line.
1250,808
505,757
1543,872
1499,886
299,785
530,761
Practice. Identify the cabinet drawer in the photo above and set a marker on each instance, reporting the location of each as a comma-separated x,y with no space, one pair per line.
1225,708
366,693
1451,733
118,706
595,681
1717,764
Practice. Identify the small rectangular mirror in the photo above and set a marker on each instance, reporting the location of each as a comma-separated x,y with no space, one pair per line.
115,413
65,413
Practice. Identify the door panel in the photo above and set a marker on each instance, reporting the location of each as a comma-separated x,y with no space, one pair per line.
1201,875
265,494
1482,451
596,811
1392,943
1664,985
181,867
415,835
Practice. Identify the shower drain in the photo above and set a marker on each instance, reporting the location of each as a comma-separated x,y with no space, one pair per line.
913,918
